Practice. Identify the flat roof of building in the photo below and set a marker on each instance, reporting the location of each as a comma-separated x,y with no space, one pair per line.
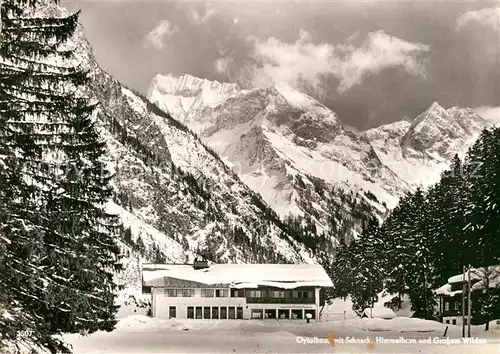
286,276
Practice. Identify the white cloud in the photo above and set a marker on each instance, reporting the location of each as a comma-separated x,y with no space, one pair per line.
379,51
491,114
229,67
199,19
487,17
222,65
306,63
159,34
281,62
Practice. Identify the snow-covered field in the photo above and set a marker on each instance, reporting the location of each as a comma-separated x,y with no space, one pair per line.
141,334
339,332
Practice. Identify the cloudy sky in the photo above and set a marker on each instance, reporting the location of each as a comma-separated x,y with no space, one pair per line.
372,62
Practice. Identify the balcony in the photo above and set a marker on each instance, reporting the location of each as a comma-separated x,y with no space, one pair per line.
277,300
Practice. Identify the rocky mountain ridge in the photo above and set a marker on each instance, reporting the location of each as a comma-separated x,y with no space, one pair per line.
277,136
418,150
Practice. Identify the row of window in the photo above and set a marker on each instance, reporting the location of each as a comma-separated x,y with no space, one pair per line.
278,294
231,313
281,294
179,292
281,314
216,292
213,312
190,292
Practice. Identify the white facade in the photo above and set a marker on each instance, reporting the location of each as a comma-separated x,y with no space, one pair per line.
162,304
235,291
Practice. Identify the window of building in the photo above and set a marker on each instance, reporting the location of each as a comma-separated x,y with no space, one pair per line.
231,313
283,314
215,313
270,313
172,312
454,321
254,293
237,293
206,312
256,314
221,293
301,294
223,313
179,292
190,312
447,306
297,314
199,312
239,313
280,294
207,292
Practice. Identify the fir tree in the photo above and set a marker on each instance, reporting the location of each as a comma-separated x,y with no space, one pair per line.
157,255
397,251
139,246
341,269
445,205
58,242
408,253
127,236
419,278
482,190
367,266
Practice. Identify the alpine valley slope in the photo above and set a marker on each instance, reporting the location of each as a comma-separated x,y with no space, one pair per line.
296,153
172,192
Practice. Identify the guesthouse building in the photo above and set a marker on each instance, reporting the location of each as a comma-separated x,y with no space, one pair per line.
234,291
450,294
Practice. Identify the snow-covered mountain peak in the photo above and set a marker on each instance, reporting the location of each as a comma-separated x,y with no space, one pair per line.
184,97
418,150
281,142
306,103
437,116
389,131
188,85
435,129
435,107
279,107
435,112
